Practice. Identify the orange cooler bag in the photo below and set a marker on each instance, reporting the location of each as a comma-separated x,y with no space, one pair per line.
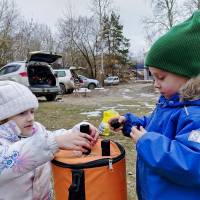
90,177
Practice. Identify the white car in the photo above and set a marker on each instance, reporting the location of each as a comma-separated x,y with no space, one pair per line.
66,80
111,80
88,82
36,73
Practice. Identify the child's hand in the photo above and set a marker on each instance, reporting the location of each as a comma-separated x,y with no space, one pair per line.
136,133
120,119
93,131
74,140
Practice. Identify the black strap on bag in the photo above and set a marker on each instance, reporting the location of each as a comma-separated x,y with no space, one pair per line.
77,188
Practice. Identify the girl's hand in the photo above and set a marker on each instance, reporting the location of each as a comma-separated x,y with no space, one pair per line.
136,133
93,132
74,140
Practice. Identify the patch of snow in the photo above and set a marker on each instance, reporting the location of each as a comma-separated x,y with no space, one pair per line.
92,113
146,95
105,108
126,90
101,88
149,105
121,109
82,90
127,97
121,105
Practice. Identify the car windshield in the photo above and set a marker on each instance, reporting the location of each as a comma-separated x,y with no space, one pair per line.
9,69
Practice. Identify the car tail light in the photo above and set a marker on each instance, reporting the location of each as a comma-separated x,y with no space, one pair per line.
23,74
80,81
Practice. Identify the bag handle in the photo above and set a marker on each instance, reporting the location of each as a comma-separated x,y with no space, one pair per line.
77,188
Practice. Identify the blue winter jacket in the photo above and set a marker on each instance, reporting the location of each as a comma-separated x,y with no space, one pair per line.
168,162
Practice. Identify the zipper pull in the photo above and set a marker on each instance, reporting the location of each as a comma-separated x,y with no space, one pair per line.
110,164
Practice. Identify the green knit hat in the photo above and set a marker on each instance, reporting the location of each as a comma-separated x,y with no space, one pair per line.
178,51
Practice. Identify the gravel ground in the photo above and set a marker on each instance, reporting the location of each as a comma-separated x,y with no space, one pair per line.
123,92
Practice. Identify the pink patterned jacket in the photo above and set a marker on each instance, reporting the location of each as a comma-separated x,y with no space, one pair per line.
25,170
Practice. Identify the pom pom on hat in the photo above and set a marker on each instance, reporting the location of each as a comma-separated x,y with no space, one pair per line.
178,51
15,98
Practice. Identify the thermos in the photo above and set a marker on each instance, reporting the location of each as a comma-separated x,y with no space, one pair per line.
85,128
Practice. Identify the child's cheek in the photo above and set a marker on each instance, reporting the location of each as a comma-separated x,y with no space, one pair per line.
170,89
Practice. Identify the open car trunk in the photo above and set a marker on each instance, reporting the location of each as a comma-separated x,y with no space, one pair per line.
40,76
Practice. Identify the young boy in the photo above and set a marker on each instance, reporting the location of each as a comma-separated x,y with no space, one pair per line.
26,147
167,141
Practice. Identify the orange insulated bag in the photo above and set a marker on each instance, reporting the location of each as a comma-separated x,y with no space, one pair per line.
101,175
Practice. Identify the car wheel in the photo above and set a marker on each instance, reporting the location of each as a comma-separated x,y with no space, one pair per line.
62,88
91,86
51,97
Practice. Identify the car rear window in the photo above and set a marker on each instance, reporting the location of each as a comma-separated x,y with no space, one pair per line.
61,73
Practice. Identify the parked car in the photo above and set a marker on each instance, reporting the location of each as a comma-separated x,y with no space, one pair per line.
36,73
88,82
66,80
111,80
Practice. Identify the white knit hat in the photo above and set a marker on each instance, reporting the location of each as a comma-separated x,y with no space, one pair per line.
15,98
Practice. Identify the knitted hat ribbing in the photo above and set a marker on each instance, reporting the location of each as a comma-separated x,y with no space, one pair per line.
178,51
14,99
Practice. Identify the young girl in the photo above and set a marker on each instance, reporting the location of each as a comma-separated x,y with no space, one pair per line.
167,141
26,147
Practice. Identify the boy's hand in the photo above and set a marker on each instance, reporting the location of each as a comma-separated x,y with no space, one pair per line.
137,133
120,119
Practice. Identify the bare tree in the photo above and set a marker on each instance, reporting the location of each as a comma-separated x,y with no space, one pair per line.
23,39
65,44
19,36
8,17
165,15
80,35
101,9
191,5
31,36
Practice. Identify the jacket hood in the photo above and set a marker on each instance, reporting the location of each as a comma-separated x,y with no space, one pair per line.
191,90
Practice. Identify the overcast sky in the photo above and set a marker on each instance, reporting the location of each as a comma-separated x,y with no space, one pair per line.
131,11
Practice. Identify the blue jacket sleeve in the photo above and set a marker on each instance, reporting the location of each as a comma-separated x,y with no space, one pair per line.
177,160
133,120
